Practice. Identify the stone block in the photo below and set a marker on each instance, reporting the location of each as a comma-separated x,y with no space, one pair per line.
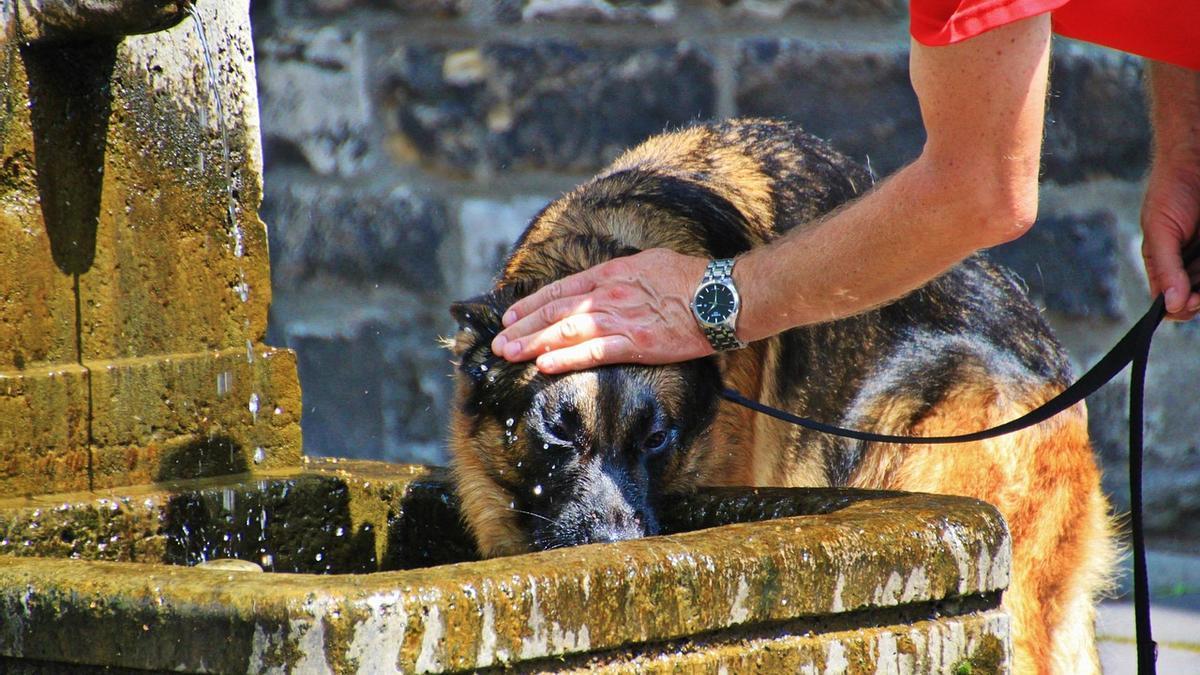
38,260
1070,264
600,11
487,231
863,102
860,100
178,416
360,234
140,162
160,220
44,430
1096,121
314,103
1171,461
774,10
375,377
417,9
547,105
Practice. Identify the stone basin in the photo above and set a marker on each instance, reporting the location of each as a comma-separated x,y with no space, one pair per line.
373,573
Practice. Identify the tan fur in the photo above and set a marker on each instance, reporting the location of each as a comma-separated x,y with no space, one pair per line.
1045,482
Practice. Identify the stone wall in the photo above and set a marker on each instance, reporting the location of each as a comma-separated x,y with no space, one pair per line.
407,144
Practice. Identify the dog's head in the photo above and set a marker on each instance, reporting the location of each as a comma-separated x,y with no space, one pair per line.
547,461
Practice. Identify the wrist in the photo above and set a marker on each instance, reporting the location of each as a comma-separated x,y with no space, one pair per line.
756,315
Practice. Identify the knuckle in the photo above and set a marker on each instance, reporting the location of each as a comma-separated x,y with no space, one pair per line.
548,313
569,328
641,335
614,269
596,351
616,293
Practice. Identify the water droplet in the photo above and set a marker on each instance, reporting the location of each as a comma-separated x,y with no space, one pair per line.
224,383
320,557
509,422
545,446
253,405
537,489
483,368
339,532
259,455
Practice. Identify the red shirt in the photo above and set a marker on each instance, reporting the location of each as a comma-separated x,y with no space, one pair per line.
1164,30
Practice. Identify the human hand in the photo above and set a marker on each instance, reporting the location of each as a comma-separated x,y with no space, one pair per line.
1171,235
635,309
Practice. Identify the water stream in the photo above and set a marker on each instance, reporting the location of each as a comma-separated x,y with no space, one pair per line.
242,288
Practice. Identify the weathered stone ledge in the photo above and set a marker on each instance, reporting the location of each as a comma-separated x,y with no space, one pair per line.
859,553
145,419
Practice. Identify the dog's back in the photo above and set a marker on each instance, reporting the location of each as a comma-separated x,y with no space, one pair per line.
963,353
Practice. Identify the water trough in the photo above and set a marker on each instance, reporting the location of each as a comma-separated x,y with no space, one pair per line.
146,431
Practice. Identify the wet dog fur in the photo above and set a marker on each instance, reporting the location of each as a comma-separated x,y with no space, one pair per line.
542,462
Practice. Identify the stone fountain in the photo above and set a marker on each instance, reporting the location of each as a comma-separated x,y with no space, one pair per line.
150,457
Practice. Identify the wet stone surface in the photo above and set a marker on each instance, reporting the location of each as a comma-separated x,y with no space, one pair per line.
861,573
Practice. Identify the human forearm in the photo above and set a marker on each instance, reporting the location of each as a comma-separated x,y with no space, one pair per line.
1174,110
912,227
1172,204
974,185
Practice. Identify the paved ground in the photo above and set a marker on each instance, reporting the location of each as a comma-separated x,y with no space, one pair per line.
1176,626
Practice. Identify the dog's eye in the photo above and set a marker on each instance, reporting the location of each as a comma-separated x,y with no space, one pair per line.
656,441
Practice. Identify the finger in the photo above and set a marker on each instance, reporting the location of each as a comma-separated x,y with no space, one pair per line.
1191,308
579,283
513,341
589,354
570,331
1164,268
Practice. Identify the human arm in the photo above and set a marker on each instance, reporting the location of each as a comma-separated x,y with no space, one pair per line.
1171,209
974,185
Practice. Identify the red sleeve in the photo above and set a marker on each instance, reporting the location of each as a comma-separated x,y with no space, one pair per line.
944,22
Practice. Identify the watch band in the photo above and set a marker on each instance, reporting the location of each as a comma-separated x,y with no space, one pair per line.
722,336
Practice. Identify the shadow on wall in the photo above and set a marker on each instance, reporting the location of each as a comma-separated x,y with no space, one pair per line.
70,99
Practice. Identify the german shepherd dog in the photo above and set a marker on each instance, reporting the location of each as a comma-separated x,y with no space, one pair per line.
547,461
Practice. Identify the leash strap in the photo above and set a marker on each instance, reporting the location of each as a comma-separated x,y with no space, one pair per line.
1133,347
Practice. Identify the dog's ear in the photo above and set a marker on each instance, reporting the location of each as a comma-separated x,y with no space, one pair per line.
480,316
478,320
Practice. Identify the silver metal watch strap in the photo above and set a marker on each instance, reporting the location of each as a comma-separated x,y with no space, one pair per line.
722,338
718,270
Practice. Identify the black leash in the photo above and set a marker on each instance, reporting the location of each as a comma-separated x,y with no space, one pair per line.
1133,348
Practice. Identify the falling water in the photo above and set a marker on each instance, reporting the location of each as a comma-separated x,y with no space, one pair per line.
242,288
230,197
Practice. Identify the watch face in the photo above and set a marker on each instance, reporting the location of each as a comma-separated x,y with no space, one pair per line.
715,303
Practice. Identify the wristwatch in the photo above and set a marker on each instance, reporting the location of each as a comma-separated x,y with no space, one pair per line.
715,305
